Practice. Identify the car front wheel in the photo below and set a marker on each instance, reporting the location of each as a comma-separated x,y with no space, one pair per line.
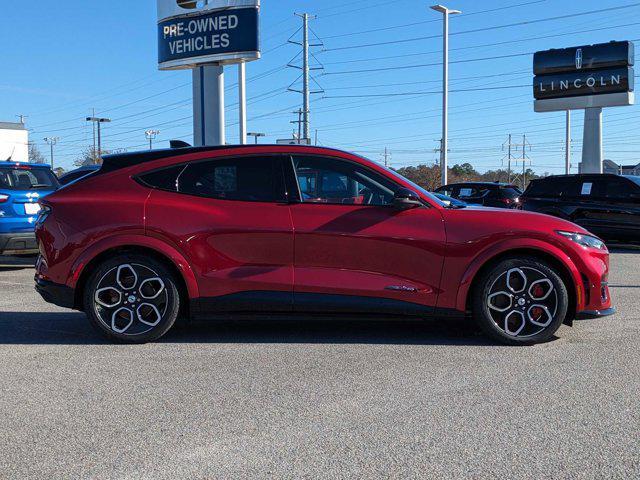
132,298
520,301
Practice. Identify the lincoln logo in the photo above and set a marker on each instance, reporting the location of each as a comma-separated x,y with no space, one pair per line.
191,4
579,59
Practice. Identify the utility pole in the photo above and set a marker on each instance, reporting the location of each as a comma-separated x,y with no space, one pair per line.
242,100
386,155
299,122
445,88
151,136
567,156
99,121
52,141
93,126
306,75
508,145
22,118
524,160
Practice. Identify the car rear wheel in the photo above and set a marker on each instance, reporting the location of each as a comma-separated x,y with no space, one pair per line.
520,301
132,298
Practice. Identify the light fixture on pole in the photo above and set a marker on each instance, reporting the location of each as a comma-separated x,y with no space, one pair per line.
99,121
256,135
445,88
51,141
151,136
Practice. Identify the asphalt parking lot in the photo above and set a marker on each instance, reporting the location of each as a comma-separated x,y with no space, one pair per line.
338,399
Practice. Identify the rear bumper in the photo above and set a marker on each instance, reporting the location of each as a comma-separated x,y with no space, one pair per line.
18,243
591,314
59,295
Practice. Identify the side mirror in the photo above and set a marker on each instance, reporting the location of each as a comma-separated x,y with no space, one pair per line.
405,198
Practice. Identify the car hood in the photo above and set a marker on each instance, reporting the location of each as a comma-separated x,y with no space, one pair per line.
487,220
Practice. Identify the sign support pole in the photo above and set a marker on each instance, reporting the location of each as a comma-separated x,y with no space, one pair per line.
567,153
242,100
208,105
592,155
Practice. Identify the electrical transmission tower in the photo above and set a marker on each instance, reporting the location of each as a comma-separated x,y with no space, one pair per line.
306,68
386,155
524,158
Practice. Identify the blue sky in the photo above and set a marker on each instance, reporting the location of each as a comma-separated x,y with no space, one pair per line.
61,59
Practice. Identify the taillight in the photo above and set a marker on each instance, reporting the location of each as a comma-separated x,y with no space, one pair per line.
3,198
45,210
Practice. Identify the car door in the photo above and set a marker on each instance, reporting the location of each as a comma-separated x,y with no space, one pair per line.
230,218
354,251
615,212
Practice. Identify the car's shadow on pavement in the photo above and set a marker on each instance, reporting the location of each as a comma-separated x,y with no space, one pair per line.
8,264
73,328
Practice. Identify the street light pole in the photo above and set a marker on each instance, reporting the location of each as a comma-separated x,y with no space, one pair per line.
151,136
99,121
256,135
52,141
445,89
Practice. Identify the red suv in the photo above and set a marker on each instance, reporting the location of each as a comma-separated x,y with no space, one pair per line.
294,229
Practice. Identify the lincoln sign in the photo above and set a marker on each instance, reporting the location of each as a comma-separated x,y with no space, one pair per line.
199,33
582,77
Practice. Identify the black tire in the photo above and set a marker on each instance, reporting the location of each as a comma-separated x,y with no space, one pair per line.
525,320
147,318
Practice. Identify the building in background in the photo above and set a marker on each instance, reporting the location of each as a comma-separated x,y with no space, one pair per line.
609,166
14,142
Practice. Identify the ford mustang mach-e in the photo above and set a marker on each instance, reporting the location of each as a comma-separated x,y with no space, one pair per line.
303,230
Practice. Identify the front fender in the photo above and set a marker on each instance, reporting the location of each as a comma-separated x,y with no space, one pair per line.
505,247
127,240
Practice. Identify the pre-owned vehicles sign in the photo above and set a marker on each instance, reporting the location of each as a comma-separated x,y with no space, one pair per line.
192,33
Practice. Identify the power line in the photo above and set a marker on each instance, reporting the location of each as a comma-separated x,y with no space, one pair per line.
485,29
394,27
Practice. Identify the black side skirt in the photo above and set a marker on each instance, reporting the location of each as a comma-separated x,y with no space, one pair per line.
265,302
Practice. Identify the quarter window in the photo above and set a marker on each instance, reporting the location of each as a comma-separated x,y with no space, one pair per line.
328,180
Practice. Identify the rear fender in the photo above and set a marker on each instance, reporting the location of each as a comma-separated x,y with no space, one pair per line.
140,241
503,248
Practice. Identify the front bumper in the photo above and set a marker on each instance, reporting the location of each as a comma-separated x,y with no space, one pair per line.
591,314
18,243
60,295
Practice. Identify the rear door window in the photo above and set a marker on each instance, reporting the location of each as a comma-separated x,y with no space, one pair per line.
250,179
615,188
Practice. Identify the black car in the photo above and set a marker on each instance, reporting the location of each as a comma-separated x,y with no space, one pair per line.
606,205
501,195
74,175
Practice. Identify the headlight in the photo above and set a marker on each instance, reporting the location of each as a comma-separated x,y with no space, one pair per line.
584,240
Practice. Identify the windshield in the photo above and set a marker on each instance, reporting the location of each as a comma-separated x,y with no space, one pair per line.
635,179
25,178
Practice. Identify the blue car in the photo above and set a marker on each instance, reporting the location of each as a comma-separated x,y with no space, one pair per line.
22,185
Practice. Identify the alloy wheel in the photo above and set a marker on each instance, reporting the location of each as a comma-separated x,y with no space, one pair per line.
522,302
131,299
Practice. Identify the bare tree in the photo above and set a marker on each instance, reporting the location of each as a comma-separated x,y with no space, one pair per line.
35,155
89,156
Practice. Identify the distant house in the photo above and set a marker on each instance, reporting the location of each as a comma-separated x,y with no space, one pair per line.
609,166
14,142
